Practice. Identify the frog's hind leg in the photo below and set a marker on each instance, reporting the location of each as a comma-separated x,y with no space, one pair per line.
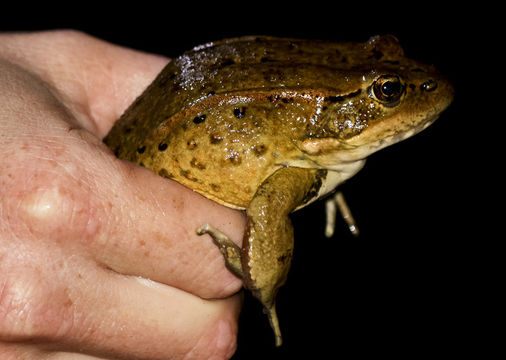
274,322
232,254
230,250
331,205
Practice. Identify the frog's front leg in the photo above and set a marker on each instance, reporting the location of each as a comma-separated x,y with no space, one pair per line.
230,250
331,205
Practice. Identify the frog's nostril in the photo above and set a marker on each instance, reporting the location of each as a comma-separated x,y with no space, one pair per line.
429,85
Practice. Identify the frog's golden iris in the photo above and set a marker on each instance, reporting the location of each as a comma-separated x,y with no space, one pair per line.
388,89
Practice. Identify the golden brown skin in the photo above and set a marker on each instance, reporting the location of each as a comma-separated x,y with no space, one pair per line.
269,125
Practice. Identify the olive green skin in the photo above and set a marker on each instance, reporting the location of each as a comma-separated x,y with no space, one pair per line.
238,120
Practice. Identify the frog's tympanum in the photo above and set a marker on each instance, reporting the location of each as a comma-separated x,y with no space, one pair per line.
268,125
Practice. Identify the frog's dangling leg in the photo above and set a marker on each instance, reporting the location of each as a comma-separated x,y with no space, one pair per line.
232,254
337,201
274,322
230,250
268,241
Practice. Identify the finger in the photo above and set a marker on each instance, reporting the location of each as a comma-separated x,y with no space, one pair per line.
154,233
95,79
78,307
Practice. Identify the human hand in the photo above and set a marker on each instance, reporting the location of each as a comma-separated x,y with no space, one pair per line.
98,257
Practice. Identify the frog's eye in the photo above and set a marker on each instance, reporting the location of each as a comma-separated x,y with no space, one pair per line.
387,89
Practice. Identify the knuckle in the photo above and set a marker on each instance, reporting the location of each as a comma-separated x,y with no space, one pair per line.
218,341
29,311
43,205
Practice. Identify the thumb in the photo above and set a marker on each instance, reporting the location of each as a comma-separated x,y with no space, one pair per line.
95,79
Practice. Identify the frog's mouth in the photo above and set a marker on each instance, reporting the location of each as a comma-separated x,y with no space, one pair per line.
361,151
333,154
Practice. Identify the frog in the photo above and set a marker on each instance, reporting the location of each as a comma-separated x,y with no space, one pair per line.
268,125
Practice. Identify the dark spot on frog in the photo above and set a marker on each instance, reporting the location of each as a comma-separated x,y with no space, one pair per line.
211,93
142,164
412,86
199,119
392,62
187,174
215,187
234,158
162,146
266,59
376,54
116,151
315,188
215,138
417,70
259,150
164,173
227,62
273,98
141,149
194,163
128,130
240,112
276,98
429,85
191,144
285,257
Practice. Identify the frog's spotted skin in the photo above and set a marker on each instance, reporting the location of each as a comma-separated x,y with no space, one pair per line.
234,119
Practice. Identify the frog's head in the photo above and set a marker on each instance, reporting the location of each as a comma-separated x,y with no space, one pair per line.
389,99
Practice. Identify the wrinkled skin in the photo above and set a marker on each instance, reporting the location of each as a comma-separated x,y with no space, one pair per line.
81,232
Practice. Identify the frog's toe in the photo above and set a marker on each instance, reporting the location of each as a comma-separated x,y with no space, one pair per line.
274,322
231,252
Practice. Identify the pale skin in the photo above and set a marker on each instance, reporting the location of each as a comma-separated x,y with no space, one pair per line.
99,258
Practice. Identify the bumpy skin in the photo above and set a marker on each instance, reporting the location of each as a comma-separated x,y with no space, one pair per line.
238,120
223,117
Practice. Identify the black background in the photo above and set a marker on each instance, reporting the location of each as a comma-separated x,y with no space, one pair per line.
408,285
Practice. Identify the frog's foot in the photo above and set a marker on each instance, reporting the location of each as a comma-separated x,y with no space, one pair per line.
230,250
331,205
273,320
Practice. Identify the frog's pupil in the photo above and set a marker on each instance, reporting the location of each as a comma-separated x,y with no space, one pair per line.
390,88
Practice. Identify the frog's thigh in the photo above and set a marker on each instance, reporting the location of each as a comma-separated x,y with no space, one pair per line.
268,245
231,252
268,242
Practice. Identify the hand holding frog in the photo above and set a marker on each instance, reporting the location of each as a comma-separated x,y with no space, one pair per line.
81,232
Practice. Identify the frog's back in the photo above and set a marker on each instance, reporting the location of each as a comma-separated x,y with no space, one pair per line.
224,116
